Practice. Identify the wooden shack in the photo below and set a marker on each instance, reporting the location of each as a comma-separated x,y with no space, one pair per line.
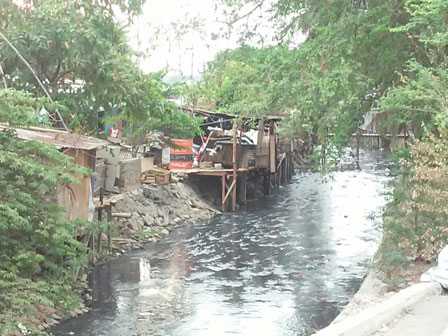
77,199
241,151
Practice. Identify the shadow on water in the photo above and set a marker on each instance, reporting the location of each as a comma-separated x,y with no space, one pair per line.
284,265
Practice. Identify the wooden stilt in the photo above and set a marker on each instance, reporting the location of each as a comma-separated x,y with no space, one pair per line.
358,144
223,192
405,136
267,183
283,180
92,242
109,234
100,218
285,170
99,245
230,190
289,167
257,184
243,188
234,163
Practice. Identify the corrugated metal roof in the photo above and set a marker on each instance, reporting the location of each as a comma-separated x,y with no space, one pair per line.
228,116
60,139
208,113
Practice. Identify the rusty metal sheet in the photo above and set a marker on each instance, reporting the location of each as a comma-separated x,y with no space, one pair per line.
60,139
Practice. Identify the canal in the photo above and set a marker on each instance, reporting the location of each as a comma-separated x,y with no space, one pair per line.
285,265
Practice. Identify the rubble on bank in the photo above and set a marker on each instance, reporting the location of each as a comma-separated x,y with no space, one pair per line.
154,210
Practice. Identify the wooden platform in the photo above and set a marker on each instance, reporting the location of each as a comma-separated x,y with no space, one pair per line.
208,172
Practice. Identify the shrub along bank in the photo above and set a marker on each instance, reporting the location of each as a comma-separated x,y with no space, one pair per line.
38,249
415,221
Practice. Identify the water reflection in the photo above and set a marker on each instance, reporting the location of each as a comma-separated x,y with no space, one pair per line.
283,266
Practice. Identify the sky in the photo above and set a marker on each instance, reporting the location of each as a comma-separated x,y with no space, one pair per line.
187,54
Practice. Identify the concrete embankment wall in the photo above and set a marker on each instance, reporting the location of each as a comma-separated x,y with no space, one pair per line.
373,315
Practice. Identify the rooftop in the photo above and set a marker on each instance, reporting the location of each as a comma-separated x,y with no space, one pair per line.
225,115
60,139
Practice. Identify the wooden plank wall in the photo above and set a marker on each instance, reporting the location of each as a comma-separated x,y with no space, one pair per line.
75,197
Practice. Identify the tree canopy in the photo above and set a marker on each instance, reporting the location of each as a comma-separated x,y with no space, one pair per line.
359,56
80,52
387,57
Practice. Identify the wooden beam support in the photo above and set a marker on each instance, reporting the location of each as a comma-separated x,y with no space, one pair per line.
235,168
109,234
272,149
260,136
205,148
223,192
243,188
231,188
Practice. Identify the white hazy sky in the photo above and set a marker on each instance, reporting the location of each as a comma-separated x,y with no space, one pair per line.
188,54
191,51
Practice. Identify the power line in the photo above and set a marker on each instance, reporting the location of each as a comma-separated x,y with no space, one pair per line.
36,77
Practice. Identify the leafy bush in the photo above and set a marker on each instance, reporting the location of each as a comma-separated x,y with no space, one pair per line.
415,223
38,249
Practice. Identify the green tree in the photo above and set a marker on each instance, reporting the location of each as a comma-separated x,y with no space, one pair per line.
383,56
38,249
351,57
420,97
82,56
252,81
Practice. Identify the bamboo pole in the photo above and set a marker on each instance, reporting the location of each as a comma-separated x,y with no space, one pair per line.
234,163
223,192
109,236
358,144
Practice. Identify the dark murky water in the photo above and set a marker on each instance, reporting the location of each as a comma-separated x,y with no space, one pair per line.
283,266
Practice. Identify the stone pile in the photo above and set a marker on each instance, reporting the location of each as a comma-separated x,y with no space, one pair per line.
157,209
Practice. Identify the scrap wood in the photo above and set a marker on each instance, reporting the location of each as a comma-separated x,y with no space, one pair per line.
107,201
122,214
156,175
123,240
157,170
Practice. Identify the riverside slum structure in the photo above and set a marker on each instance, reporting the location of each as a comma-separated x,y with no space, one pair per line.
247,159
77,199
85,200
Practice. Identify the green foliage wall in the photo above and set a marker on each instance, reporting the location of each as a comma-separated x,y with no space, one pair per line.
38,249
359,56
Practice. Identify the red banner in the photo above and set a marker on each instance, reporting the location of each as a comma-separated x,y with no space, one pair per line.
181,154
